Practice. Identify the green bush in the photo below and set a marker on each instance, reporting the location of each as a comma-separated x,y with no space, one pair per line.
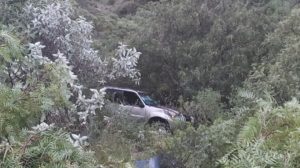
120,139
43,149
279,72
205,107
200,147
269,139
192,45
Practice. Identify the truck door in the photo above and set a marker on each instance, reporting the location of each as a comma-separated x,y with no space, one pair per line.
134,105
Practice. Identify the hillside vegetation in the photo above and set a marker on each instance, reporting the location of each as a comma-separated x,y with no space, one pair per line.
234,65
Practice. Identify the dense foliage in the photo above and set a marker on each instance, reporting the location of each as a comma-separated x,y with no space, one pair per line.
233,65
196,45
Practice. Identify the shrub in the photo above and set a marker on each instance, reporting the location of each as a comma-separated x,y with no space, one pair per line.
202,146
269,138
205,107
43,149
119,139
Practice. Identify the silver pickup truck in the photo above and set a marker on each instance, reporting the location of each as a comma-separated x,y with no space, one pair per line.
139,105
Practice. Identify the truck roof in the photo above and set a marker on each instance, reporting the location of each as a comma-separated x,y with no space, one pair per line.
124,89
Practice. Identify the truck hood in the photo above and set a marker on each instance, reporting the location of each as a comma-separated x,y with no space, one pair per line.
165,110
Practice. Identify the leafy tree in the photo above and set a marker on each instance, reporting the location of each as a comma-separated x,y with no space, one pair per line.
38,85
192,45
279,71
10,11
52,24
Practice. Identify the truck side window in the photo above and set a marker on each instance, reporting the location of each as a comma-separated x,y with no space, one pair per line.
114,96
109,94
131,98
118,97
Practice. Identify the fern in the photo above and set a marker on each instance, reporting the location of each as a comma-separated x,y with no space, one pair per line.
10,48
47,149
250,131
252,154
269,139
247,94
16,109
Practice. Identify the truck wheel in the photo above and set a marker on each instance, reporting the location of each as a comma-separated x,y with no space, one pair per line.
160,125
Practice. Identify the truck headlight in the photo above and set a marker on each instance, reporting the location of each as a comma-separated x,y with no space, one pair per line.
169,114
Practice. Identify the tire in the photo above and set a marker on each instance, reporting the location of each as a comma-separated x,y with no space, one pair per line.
160,125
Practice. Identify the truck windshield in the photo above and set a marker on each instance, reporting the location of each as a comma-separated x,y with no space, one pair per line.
148,100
